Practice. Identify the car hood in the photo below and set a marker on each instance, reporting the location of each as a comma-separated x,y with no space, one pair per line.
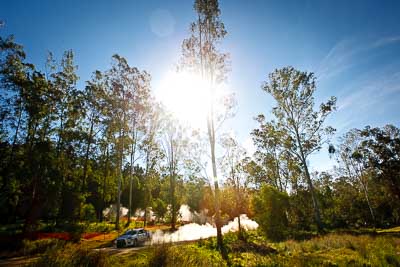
123,237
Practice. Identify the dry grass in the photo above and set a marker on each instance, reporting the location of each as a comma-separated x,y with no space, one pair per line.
255,250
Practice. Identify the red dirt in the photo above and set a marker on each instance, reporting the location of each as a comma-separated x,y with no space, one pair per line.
90,235
62,236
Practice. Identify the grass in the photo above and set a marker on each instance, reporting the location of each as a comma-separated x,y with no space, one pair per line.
340,250
255,250
333,249
390,230
170,255
87,235
73,255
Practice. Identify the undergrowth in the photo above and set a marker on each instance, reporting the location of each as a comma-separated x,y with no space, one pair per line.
73,255
253,249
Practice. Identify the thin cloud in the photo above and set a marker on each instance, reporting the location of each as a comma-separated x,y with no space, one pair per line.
373,90
343,55
368,95
337,59
386,41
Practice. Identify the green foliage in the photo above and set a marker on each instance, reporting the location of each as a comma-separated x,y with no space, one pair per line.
102,227
195,189
381,147
160,208
299,129
88,213
62,144
67,152
272,206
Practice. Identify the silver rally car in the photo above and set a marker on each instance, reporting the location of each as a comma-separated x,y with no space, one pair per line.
132,237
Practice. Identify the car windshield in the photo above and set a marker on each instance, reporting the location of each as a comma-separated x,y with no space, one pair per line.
130,232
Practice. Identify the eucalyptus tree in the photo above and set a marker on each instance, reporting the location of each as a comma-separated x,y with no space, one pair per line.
152,152
353,165
65,93
381,149
174,143
139,108
271,155
27,94
233,170
64,123
293,91
14,78
201,55
107,160
121,83
93,111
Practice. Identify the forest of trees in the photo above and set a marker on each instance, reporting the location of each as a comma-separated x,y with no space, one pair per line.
67,152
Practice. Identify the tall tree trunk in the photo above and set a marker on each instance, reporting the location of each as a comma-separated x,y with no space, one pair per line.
104,182
145,217
133,152
32,213
310,185
240,228
120,177
211,134
119,187
369,203
173,204
358,174
130,197
313,196
239,209
131,182
172,184
12,153
89,142
278,175
146,190
16,134
60,133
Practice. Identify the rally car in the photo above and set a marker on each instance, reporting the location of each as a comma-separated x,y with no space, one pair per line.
132,237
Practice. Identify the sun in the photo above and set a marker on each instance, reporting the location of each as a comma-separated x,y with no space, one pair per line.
187,96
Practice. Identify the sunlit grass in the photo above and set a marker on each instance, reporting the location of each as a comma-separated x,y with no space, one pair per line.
390,230
254,249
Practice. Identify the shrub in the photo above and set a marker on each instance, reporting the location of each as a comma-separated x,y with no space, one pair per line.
88,213
272,206
73,255
159,256
75,230
102,227
39,246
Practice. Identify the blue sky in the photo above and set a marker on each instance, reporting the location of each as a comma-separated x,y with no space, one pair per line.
352,46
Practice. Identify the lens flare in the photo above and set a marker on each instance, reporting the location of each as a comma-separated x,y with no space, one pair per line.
187,96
